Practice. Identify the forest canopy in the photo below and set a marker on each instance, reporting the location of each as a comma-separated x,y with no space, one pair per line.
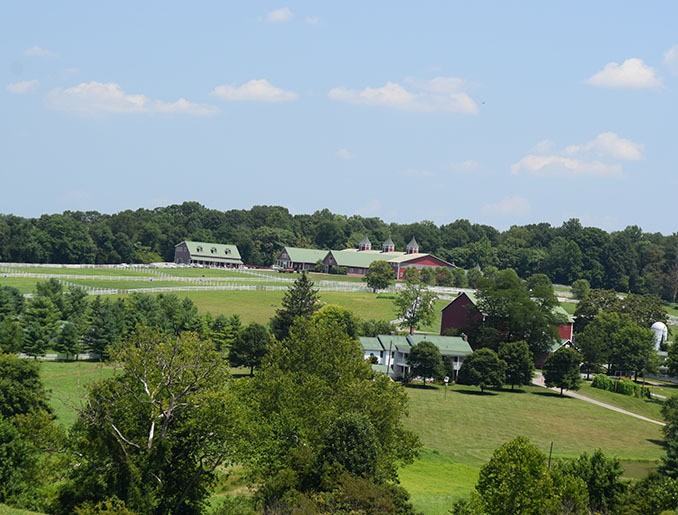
628,260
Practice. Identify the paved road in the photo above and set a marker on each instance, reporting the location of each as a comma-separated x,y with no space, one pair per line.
539,381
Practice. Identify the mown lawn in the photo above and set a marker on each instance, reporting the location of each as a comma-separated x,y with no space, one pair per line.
650,408
260,306
23,284
461,432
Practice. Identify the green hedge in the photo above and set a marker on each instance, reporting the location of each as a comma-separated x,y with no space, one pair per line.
623,386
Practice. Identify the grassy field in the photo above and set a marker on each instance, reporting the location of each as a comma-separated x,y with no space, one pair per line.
650,408
82,271
23,284
66,383
461,432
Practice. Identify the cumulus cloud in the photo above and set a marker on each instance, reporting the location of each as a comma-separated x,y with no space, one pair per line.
280,15
412,172
312,20
19,88
671,59
586,160
632,73
465,166
516,206
183,106
439,94
36,51
609,144
345,154
109,98
258,90
559,165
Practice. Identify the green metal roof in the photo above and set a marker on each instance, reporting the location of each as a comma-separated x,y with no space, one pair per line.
561,311
299,255
212,251
371,343
446,344
361,259
382,369
393,341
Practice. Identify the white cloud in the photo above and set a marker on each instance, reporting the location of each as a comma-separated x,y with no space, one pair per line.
671,59
345,154
183,106
20,88
412,172
609,144
589,159
515,205
542,147
36,51
465,166
280,15
259,90
632,73
108,98
558,165
312,20
371,208
439,94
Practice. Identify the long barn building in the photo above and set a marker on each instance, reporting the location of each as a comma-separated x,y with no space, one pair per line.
357,261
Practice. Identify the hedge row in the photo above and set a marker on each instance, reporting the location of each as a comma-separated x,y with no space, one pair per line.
623,386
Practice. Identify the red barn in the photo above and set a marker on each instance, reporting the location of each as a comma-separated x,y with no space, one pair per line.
459,313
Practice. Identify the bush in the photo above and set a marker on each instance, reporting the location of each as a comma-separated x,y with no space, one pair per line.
338,270
623,386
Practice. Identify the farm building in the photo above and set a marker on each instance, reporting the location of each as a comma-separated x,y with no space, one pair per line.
357,261
463,311
299,259
206,254
389,352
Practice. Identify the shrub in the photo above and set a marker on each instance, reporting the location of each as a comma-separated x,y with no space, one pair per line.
623,386
338,270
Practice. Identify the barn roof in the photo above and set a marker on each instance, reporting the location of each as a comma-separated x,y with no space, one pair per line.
361,259
371,343
299,255
212,251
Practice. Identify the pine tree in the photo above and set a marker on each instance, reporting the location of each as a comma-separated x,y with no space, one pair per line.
300,300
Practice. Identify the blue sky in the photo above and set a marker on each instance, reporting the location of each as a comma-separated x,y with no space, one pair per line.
500,112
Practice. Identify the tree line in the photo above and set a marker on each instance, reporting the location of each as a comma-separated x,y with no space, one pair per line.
628,260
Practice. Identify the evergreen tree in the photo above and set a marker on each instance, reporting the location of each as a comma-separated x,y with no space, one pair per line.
300,300
105,325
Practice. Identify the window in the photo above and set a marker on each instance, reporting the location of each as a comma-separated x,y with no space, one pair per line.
227,251
199,249
213,250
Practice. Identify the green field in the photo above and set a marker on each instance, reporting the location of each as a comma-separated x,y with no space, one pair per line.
66,385
461,432
23,284
650,408
82,271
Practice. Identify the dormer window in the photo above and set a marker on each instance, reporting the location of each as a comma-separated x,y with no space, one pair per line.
199,249
227,251
213,250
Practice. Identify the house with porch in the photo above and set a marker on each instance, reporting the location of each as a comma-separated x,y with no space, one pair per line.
299,259
389,352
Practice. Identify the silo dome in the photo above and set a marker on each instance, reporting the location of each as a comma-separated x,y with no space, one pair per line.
661,333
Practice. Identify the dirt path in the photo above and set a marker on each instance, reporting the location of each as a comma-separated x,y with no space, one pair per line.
538,380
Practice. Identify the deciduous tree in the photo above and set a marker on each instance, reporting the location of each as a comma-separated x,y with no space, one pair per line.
250,347
519,363
425,361
482,368
561,369
414,305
